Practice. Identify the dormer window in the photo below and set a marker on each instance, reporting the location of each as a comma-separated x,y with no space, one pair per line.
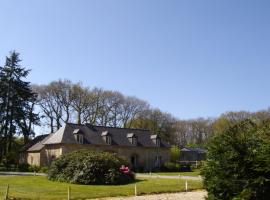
106,136
132,139
78,135
156,140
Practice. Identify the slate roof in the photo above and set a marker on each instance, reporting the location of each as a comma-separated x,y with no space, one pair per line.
34,142
194,149
93,135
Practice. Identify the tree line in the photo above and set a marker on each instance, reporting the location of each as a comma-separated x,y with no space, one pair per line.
24,106
62,101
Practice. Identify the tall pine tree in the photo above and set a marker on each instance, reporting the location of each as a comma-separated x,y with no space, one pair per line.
16,103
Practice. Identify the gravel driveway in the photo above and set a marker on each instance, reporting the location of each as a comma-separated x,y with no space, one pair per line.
194,195
196,178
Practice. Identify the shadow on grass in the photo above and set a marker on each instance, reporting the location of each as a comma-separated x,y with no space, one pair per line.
121,184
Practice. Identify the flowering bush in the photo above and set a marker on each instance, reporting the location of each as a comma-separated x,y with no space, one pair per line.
89,167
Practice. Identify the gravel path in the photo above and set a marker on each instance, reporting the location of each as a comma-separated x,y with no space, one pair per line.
197,178
21,174
194,195
137,175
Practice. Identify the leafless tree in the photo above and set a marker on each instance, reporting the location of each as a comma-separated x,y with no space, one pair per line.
79,99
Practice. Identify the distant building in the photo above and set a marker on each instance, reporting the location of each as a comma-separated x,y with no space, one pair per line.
188,154
139,147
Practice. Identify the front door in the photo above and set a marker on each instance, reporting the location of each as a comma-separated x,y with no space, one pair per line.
134,161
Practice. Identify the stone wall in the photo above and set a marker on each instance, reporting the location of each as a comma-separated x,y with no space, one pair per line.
142,156
33,158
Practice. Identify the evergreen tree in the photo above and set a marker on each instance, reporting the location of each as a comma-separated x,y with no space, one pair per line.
16,103
238,161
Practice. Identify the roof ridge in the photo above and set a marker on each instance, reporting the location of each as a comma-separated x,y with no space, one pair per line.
88,124
70,123
139,129
64,127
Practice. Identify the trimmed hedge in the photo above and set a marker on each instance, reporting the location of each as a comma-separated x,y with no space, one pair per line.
89,167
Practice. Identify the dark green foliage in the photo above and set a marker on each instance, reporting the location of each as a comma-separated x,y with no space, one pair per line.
23,167
174,153
238,163
16,105
89,167
185,167
171,167
43,170
34,168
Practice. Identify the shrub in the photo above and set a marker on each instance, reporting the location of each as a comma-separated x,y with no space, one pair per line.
34,168
237,165
2,168
43,170
89,167
141,169
174,153
171,167
23,167
185,168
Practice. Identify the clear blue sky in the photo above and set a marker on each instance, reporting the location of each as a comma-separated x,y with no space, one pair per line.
191,58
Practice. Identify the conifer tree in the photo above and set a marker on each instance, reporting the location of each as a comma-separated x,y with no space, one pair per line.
238,160
16,103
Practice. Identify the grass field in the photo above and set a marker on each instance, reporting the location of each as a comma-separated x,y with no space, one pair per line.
37,187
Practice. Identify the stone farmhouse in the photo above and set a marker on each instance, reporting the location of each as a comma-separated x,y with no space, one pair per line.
139,147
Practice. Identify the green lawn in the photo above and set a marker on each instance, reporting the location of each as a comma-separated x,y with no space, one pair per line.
37,187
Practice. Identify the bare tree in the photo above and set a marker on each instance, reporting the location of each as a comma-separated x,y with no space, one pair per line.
131,108
79,99
48,104
181,132
61,92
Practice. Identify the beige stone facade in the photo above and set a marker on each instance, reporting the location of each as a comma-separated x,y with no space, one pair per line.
146,158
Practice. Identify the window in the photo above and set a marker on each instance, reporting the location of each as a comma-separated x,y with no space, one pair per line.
158,142
108,139
134,141
134,161
106,136
78,134
158,161
132,138
79,138
53,157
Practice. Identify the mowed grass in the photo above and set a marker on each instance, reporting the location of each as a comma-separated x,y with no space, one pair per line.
37,187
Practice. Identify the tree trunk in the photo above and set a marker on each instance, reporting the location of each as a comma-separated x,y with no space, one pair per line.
79,117
51,125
